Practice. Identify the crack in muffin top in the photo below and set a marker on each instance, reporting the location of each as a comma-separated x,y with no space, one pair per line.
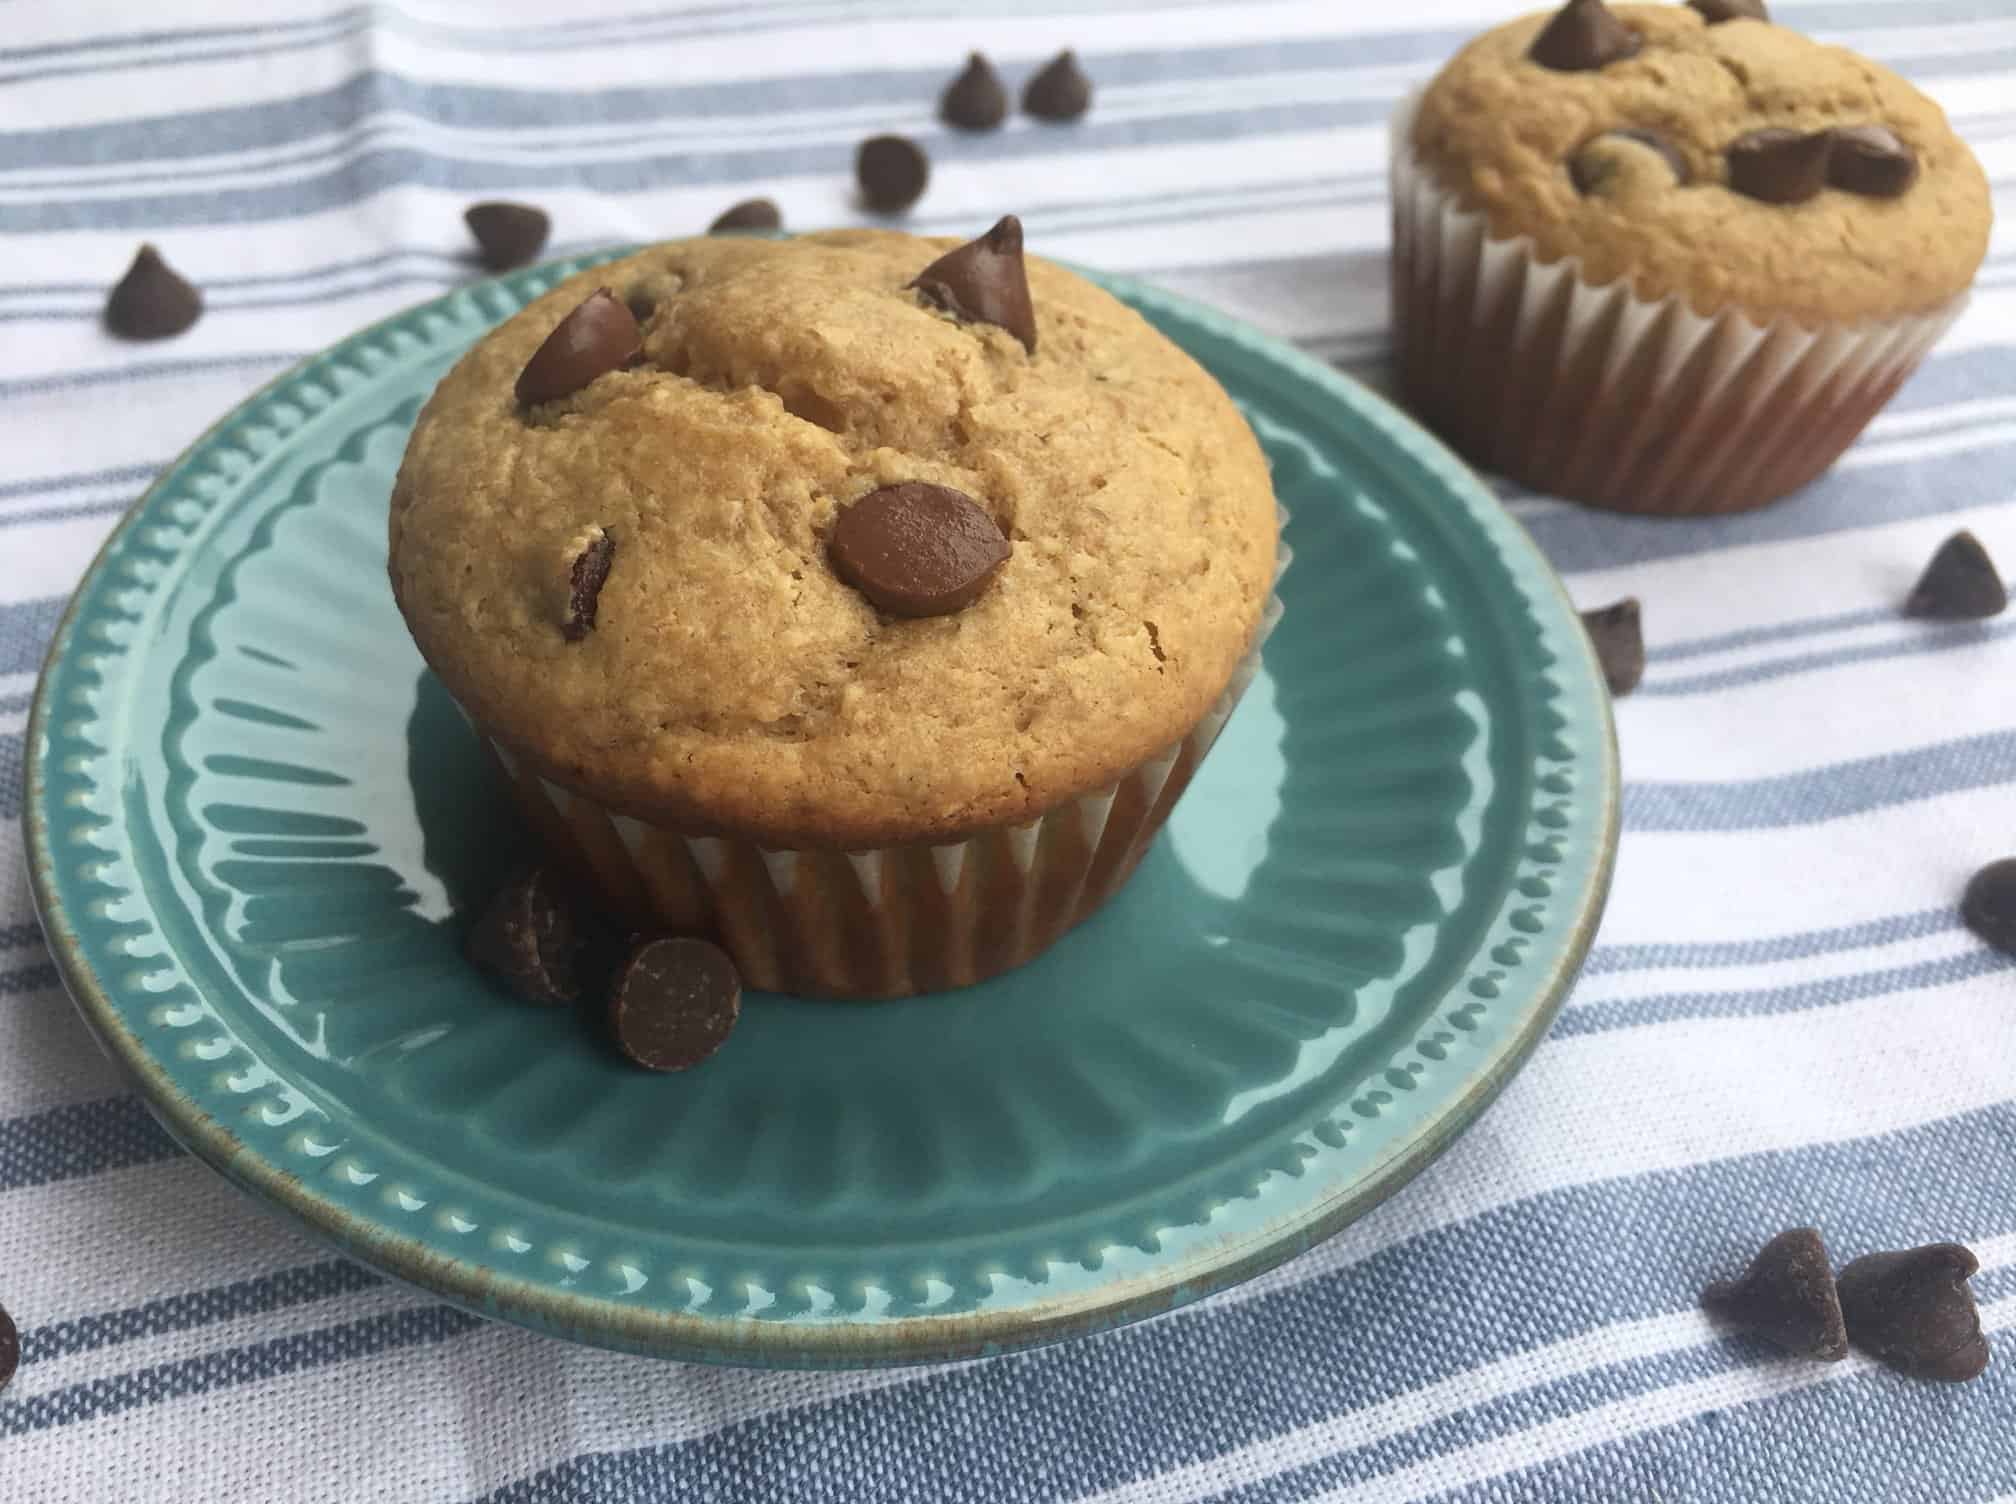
731,681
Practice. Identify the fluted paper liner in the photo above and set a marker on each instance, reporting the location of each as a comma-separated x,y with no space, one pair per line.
892,921
1601,396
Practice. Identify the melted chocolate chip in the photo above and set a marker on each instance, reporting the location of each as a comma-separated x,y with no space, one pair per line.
1989,905
1913,1310
1960,584
975,100
1059,90
1591,168
529,939
892,171
598,337
1786,1297
1583,36
1619,639
152,301
1871,160
585,580
10,1349
985,282
916,549
674,1002
1715,12
507,234
750,214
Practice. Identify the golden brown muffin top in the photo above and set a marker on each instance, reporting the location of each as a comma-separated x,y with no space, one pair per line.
1501,130
732,682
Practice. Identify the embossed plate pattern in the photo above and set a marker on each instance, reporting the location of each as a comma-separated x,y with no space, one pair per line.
254,818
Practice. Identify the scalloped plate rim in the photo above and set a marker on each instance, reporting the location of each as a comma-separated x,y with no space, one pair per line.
486,1291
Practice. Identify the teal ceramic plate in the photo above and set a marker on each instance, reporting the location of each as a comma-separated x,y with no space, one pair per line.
254,820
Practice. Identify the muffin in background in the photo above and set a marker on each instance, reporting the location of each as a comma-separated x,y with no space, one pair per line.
864,602
1667,264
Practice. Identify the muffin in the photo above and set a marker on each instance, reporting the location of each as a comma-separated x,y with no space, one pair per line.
862,600
1673,258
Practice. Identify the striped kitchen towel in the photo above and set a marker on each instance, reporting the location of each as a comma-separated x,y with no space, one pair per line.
1784,1020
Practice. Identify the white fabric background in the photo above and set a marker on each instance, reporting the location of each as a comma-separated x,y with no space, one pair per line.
1783,1021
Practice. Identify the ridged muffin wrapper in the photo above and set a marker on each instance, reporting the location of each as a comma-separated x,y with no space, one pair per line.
886,922
1600,396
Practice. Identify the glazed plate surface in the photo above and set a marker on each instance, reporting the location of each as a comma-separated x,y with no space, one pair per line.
255,822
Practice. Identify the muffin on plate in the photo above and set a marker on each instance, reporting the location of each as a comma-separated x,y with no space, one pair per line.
1671,258
864,601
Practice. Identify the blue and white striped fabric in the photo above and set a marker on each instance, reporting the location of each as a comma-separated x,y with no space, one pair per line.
1784,1020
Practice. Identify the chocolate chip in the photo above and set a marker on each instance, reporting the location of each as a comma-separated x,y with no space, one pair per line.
1583,36
1620,644
1960,584
10,1348
584,584
151,301
892,171
530,940
975,100
750,214
1871,160
598,337
1989,905
1780,166
916,549
1715,12
674,1002
1786,1297
1913,1310
1592,166
1059,90
507,234
985,282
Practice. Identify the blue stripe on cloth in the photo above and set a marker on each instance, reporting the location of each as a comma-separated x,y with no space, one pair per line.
153,370
1825,793
278,1291
14,936
25,630
229,44
80,1138
1607,959
1744,637
58,514
25,979
253,1362
1793,997
173,35
378,170
78,481
1928,641
1876,1439
1580,539
13,761
212,43
1230,1374
1499,1419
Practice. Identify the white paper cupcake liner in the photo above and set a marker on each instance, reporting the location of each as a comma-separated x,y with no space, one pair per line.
892,921
1601,396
